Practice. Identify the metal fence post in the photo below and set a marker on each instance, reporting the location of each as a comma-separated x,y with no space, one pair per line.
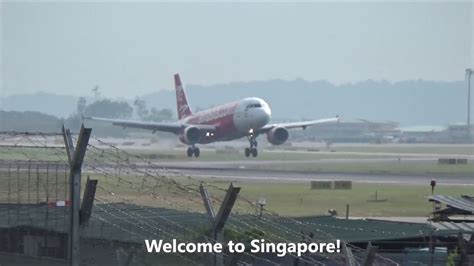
348,256
221,217
76,158
369,255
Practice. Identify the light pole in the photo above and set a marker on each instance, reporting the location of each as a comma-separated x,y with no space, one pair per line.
431,244
468,74
433,185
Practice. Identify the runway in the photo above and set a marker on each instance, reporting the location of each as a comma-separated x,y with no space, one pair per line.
249,163
248,170
292,176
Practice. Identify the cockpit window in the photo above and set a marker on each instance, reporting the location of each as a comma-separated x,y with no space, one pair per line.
253,105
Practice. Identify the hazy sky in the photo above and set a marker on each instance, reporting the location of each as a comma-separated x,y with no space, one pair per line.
131,49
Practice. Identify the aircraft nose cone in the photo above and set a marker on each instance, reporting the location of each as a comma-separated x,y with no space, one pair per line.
267,114
264,116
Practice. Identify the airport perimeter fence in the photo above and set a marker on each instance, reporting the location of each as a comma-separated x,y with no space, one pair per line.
135,199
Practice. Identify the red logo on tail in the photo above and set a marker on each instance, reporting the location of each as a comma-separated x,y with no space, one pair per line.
181,100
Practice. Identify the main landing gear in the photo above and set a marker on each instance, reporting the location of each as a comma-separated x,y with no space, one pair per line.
253,147
192,150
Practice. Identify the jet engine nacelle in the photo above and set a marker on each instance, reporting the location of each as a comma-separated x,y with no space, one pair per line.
277,135
192,135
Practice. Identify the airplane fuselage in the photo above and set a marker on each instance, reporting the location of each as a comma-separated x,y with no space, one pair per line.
248,118
232,120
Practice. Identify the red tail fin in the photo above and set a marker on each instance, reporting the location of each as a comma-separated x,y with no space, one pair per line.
181,100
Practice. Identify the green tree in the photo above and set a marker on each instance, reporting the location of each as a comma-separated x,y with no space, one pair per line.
154,114
159,115
109,109
140,108
28,121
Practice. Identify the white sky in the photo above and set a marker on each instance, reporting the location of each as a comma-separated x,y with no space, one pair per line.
132,49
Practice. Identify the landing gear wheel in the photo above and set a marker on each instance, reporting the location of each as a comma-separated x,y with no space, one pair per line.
253,146
247,152
190,152
197,152
254,152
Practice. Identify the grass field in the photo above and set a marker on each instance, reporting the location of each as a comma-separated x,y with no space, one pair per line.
407,148
285,198
297,199
174,155
287,158
234,155
38,154
289,199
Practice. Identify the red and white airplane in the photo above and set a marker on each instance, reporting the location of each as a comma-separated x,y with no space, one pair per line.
248,117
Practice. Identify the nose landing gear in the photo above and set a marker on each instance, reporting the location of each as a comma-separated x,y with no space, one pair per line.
193,151
252,151
253,147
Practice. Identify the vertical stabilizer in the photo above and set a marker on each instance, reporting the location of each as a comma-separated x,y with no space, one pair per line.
181,100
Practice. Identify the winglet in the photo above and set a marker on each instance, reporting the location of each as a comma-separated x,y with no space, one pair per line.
181,99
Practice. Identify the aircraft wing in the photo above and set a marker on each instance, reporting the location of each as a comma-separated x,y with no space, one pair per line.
293,125
173,127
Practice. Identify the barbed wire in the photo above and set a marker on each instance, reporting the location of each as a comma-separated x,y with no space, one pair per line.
137,178
248,225
200,203
251,203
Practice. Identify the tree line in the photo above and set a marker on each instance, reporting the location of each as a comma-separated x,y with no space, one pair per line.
35,121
